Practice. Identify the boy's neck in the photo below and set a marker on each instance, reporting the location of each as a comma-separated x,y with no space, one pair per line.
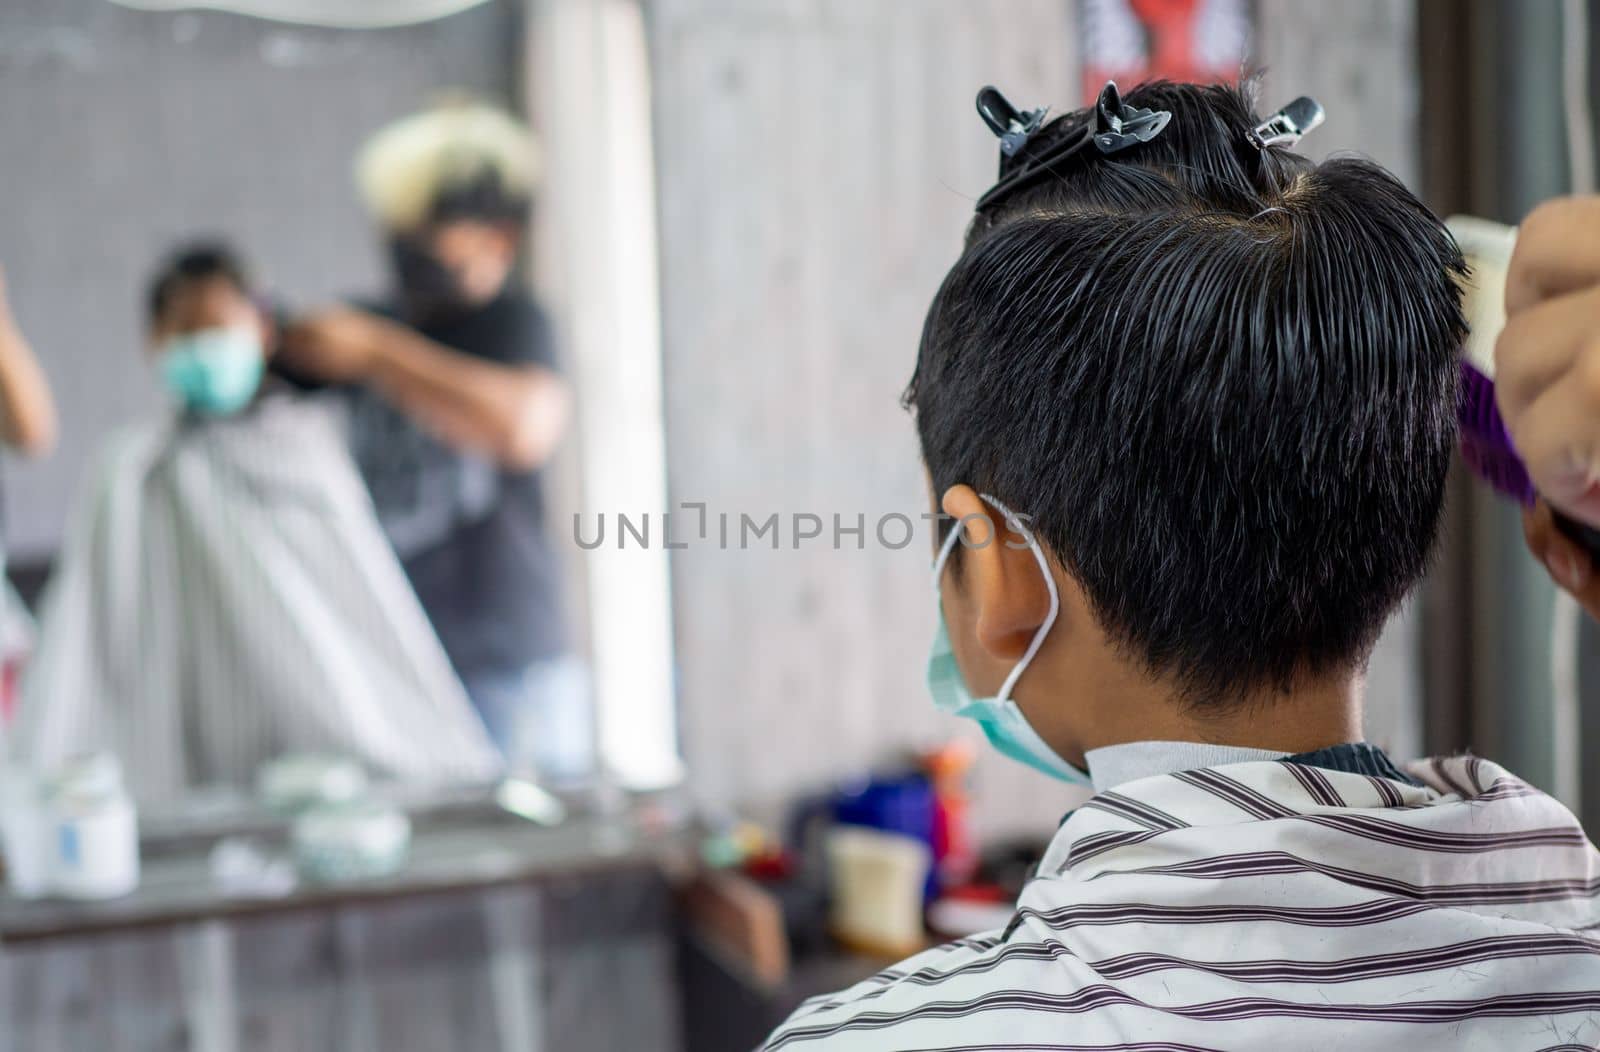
1303,720
1128,708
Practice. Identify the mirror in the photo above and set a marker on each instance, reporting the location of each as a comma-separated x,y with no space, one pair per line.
334,368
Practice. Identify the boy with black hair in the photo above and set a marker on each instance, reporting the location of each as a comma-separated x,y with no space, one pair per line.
1188,400
224,594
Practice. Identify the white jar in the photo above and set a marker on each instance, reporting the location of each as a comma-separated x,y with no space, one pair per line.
93,830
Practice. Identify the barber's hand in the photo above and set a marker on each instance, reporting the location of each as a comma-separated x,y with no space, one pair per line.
336,345
1566,562
1547,359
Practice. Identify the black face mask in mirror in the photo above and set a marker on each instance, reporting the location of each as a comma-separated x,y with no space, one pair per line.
428,288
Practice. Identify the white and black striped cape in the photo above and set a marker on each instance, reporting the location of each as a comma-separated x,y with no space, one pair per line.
224,595
1267,905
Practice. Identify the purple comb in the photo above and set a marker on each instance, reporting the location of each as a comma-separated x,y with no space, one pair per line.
1487,450
1485,444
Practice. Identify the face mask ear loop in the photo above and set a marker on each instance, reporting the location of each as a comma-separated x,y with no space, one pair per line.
1055,600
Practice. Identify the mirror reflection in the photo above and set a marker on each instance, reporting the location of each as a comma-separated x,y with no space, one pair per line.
299,520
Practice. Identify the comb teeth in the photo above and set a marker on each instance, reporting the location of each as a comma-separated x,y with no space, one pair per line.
1485,444
1477,408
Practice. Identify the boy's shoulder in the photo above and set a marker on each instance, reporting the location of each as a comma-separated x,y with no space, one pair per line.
1261,905
875,1012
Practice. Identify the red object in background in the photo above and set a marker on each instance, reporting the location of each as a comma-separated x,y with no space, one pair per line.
10,674
771,864
980,893
1130,41
953,851
955,855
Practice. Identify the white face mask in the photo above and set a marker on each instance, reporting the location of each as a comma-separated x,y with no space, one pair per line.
1007,729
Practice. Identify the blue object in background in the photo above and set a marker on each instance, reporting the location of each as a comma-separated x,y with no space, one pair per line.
903,804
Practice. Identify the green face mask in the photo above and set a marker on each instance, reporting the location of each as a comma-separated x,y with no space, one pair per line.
1003,723
214,371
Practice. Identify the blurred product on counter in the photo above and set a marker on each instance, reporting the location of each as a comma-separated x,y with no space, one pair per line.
798,892
901,802
242,868
876,885
735,843
526,799
362,840
296,781
339,833
95,830
845,869
74,834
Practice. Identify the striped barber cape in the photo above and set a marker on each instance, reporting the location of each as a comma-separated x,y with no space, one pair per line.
225,595
1273,906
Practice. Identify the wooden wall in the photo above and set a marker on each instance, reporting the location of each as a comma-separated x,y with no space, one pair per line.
817,161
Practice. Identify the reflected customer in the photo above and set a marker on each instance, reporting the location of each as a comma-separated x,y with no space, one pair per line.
224,594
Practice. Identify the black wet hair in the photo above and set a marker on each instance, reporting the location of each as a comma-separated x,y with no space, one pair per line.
484,197
196,261
1221,381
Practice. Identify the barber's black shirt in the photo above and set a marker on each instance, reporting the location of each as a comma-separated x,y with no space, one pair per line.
470,534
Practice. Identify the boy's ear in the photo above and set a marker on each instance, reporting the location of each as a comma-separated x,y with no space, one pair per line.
1000,575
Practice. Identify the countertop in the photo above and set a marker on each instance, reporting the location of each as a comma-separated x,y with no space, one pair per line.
459,842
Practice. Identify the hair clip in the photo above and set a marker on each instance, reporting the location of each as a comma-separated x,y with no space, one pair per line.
1290,124
1118,126
1013,126
1111,126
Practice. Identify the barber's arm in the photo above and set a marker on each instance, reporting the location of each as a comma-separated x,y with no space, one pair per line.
1547,379
513,413
27,412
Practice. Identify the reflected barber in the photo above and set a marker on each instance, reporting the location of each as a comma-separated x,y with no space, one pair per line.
455,406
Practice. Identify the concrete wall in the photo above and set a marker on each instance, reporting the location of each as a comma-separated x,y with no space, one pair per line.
818,160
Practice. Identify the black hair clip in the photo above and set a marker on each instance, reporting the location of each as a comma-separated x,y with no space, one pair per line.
1118,126
1290,124
1013,126
1110,127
